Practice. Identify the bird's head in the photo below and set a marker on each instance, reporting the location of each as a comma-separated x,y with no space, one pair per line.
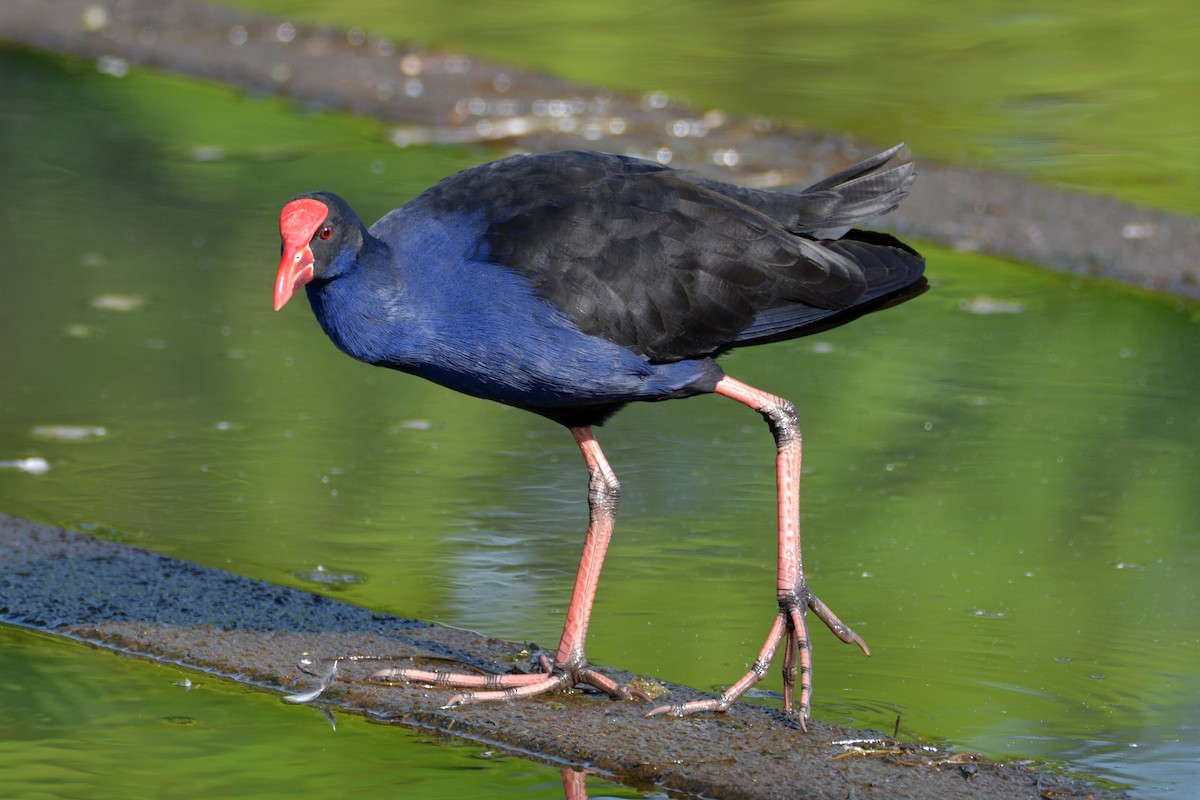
318,232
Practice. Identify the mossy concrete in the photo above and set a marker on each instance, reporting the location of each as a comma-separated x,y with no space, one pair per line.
146,604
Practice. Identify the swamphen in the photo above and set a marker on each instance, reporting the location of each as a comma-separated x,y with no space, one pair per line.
572,283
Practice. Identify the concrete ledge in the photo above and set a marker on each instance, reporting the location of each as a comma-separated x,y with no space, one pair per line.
146,604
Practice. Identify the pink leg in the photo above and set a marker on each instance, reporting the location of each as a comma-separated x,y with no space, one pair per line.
570,667
792,592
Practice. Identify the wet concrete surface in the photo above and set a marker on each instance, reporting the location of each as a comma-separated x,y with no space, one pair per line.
141,603
450,97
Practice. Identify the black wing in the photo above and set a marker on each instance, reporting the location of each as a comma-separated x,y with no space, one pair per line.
677,267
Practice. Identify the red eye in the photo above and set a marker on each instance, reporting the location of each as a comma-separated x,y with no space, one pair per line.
326,232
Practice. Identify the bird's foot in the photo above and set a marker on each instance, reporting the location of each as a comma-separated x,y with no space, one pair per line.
499,688
789,624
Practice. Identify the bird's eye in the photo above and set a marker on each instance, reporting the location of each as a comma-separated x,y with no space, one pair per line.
326,232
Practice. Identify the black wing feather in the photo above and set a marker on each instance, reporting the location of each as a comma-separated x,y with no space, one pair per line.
676,267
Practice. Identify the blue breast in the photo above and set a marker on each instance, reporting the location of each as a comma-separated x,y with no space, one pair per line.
424,298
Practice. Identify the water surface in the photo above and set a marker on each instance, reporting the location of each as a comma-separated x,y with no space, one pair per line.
999,488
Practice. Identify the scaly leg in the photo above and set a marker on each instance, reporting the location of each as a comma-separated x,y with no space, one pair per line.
792,592
570,666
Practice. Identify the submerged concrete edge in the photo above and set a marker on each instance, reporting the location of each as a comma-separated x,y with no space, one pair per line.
134,601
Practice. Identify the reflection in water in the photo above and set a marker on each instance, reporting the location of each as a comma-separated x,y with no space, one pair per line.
574,786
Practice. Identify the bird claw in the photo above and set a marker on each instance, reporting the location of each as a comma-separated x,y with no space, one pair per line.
457,701
680,710
789,627
493,688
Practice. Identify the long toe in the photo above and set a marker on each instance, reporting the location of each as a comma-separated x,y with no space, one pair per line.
839,628
545,684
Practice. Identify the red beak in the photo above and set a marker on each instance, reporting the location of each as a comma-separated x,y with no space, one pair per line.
295,270
298,223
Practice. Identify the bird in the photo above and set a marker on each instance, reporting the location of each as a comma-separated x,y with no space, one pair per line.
572,283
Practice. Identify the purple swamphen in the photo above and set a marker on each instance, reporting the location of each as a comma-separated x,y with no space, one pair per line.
572,283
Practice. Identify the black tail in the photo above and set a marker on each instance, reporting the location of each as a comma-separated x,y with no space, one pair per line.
829,208
894,273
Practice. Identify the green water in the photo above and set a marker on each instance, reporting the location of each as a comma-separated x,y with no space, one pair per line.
74,723
1003,504
1103,96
